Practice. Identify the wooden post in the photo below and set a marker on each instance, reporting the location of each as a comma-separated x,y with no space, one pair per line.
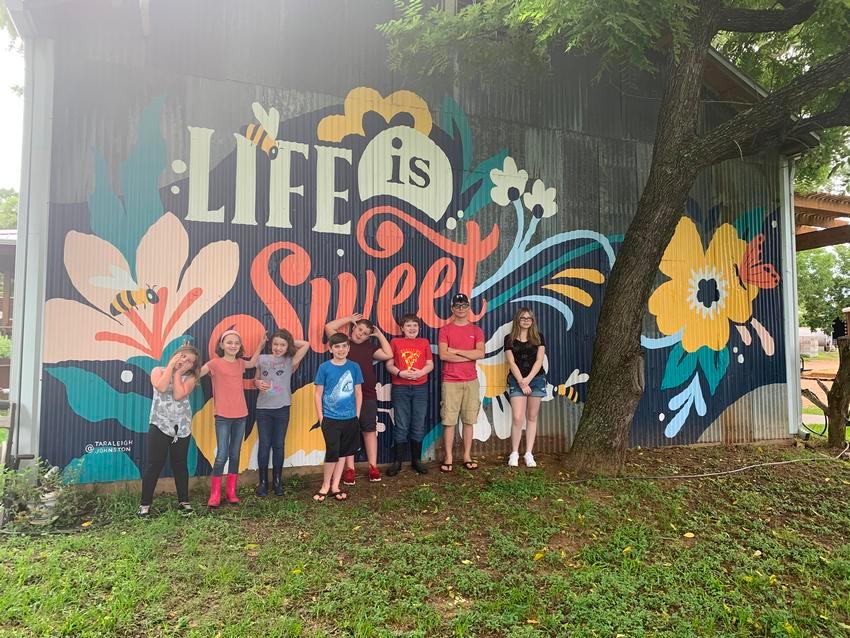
838,398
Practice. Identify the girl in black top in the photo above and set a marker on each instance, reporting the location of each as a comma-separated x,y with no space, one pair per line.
524,350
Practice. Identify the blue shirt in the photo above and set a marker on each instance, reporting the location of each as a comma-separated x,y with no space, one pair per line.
338,400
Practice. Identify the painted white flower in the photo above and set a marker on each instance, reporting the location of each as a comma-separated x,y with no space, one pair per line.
541,200
508,183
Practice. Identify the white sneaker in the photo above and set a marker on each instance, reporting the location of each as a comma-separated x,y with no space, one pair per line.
513,459
529,460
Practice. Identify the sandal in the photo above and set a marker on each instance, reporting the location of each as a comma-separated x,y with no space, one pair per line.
470,465
446,468
319,497
340,496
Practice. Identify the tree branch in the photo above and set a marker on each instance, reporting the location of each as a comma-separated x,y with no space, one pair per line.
763,21
811,396
768,123
776,136
839,116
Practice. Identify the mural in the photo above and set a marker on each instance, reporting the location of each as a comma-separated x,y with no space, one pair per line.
378,206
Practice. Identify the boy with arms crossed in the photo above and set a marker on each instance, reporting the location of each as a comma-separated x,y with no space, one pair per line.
461,344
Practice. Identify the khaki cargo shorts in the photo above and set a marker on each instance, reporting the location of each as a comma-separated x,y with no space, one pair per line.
460,399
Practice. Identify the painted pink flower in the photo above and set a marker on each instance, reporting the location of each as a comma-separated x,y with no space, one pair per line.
99,330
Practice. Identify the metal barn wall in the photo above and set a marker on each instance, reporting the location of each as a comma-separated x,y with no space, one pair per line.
384,197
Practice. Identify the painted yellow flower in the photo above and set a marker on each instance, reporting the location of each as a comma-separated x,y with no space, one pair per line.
704,292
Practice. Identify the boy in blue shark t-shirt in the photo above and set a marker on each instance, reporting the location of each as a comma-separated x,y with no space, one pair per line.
339,397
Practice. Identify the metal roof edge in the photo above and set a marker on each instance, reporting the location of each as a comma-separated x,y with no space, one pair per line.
792,148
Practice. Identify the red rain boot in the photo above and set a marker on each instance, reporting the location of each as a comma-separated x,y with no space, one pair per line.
215,491
231,489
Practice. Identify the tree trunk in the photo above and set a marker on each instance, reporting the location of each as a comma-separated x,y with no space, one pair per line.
838,398
616,379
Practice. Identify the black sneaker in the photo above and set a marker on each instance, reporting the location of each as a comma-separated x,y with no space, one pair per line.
144,511
185,509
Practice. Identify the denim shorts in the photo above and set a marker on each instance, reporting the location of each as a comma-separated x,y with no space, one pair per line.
538,387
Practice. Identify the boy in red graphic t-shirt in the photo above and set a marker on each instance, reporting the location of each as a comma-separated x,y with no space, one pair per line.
411,363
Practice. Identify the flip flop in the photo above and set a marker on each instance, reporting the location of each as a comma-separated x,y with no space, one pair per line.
340,496
446,468
470,465
319,497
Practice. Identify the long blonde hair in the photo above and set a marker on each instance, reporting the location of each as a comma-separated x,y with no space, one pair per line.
533,332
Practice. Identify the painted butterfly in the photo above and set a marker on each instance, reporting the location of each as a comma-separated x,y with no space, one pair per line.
751,269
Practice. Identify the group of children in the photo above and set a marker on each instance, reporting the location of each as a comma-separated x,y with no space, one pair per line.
346,400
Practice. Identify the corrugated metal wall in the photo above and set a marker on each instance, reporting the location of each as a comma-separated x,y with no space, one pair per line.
149,145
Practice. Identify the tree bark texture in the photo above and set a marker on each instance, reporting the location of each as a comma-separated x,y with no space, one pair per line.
838,398
616,379
679,155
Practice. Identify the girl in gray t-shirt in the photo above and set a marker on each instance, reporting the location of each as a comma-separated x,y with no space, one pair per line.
273,379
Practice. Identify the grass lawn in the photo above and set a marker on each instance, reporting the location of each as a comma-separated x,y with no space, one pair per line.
823,356
496,552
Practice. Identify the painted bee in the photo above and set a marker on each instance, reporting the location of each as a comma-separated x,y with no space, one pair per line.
567,388
130,294
128,299
264,134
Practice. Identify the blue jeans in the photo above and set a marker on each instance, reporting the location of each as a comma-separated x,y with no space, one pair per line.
228,441
272,426
410,405
537,385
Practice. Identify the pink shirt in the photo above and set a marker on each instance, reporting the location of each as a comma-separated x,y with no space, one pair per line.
464,337
228,389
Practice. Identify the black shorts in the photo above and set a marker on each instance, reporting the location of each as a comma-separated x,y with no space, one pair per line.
342,438
369,416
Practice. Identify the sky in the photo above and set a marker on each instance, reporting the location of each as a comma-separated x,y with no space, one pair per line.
11,114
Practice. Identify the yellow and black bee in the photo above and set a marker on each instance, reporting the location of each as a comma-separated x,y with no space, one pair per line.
568,391
264,134
567,388
129,294
126,300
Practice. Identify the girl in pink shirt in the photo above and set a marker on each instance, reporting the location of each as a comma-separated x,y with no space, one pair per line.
228,388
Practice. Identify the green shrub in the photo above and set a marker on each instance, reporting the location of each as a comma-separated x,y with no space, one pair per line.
5,347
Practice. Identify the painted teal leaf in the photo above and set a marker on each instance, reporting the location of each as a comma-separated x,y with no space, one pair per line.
429,442
714,365
679,367
95,400
192,457
105,209
481,176
453,121
99,466
124,223
750,224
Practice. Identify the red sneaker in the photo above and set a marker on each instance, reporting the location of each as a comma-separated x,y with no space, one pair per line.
374,474
348,476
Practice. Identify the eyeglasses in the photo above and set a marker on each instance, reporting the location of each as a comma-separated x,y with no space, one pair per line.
526,318
461,306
